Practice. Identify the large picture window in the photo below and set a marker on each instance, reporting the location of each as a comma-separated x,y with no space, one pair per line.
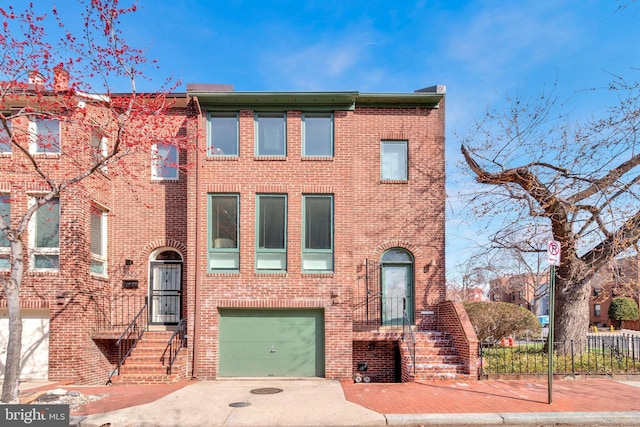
5,214
393,161
98,241
317,249
223,134
271,131
45,136
271,227
317,135
224,251
44,237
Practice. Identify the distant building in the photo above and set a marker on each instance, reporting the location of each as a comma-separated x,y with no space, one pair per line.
525,290
618,278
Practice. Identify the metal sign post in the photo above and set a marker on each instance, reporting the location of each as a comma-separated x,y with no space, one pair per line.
553,256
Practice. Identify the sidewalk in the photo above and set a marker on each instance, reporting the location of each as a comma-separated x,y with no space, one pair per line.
319,402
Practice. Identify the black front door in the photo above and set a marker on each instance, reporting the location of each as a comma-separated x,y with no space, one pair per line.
166,293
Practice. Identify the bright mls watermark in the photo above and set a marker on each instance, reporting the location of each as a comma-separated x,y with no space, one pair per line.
34,415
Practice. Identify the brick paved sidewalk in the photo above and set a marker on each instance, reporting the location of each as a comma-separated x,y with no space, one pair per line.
448,397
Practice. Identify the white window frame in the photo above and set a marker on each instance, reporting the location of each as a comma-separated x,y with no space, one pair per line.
7,144
99,147
34,146
5,251
156,174
100,259
393,166
41,251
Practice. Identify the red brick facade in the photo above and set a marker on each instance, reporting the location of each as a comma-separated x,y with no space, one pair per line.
370,216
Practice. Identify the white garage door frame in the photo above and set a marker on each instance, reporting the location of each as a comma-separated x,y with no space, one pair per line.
35,343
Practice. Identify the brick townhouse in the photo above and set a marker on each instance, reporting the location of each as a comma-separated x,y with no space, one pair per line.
301,235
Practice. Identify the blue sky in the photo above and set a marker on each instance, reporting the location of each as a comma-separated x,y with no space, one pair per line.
481,50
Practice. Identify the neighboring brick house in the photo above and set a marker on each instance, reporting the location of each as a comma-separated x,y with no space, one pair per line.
617,278
525,290
289,242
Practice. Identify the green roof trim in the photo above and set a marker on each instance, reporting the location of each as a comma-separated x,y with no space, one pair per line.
312,101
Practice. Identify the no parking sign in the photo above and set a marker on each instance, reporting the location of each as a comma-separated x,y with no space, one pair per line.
553,253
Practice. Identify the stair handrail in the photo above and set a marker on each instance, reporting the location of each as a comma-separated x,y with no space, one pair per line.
134,332
177,341
406,325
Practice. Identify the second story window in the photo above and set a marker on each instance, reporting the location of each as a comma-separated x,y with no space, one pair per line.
223,134
271,231
44,237
5,141
98,241
99,146
224,252
271,134
393,161
5,214
317,135
45,136
164,162
317,249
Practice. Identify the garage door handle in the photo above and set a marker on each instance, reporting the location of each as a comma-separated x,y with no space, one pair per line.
273,350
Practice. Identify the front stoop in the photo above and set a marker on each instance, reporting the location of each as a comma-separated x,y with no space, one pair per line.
144,364
436,358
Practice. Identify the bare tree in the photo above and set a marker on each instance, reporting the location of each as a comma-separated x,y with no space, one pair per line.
472,277
575,182
524,262
101,126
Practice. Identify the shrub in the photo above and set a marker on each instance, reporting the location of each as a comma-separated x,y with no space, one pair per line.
623,308
494,320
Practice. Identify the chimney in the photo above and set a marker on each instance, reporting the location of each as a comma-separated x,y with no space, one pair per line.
60,79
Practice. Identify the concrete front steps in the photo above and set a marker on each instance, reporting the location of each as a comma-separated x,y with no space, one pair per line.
436,358
144,364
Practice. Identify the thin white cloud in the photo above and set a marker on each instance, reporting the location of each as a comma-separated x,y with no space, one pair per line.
505,36
325,65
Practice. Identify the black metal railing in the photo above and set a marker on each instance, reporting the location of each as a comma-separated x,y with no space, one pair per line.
114,313
129,338
177,341
375,311
611,355
409,338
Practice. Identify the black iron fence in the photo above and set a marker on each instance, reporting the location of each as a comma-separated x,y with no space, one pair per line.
114,313
375,311
614,354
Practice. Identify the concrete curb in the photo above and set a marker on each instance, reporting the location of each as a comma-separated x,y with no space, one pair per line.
517,419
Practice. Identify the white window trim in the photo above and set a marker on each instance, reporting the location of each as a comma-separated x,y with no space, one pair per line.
154,165
104,236
8,144
33,138
33,251
102,149
5,251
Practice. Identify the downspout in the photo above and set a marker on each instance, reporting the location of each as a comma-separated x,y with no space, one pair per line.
196,320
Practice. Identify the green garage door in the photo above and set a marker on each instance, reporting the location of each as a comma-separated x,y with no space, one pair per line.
271,343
